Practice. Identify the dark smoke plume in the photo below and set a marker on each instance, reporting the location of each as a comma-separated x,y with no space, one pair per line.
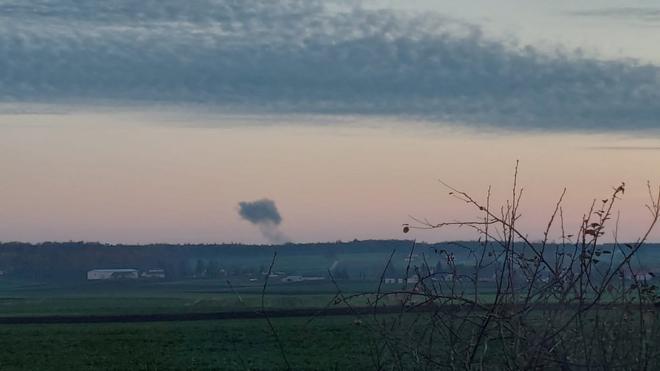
264,214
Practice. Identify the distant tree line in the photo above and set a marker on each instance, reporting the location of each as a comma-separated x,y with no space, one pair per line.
71,260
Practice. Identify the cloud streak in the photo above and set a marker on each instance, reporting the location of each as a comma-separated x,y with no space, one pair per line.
623,13
294,56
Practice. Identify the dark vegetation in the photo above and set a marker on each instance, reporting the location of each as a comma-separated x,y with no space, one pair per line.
355,260
70,261
333,343
575,305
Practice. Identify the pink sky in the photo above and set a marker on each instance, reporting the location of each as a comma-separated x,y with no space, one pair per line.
135,178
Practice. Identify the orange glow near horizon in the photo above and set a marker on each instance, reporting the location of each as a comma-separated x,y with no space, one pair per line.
137,179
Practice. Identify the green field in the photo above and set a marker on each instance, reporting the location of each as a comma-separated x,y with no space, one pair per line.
191,296
309,342
19,298
327,343
318,342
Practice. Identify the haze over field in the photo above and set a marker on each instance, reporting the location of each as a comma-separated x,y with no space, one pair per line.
150,121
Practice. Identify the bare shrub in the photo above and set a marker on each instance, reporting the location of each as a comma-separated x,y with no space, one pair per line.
573,304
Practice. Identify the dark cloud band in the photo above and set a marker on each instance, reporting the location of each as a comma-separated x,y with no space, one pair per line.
296,56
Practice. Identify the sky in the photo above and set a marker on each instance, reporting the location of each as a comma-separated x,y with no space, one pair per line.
158,121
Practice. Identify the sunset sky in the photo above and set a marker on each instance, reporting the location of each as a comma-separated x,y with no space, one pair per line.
138,122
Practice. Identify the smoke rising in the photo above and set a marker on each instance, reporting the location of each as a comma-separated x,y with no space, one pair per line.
264,214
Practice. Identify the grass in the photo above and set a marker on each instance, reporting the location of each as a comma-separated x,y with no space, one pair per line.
329,343
325,343
321,343
189,296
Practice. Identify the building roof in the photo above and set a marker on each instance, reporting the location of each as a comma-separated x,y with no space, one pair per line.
114,270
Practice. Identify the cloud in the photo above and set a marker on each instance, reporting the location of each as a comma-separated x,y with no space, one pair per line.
309,56
264,214
626,13
626,148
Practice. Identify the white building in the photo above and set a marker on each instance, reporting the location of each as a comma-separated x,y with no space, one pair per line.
301,278
153,273
413,279
293,279
112,274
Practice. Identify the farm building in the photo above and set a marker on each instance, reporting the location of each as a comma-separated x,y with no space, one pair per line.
301,278
390,280
643,276
293,279
112,274
153,274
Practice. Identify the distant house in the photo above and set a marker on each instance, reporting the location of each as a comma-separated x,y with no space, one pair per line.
643,276
301,278
443,276
293,279
112,274
413,279
410,258
153,274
